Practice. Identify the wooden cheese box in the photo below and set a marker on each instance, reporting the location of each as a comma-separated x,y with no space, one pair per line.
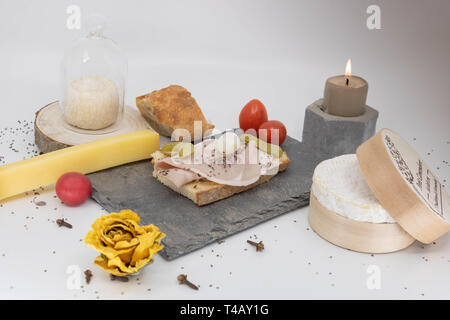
406,188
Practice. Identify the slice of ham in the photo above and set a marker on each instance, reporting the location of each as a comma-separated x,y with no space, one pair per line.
179,177
241,169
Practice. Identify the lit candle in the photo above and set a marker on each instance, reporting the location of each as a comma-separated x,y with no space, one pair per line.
345,95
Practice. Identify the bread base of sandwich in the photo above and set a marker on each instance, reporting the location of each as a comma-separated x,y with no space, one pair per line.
203,192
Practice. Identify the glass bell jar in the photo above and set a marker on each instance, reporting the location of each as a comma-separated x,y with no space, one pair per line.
93,76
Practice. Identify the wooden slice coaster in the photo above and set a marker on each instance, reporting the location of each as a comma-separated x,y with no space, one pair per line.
52,133
356,235
405,186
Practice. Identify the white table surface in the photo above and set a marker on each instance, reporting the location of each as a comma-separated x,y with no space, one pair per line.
410,90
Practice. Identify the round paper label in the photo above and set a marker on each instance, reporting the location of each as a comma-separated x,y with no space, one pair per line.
417,174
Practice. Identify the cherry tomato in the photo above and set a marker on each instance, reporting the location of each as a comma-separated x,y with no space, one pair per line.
269,130
252,115
73,188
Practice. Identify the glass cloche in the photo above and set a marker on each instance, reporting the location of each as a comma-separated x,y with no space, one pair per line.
93,76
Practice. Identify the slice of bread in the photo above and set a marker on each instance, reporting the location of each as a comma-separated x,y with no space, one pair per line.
172,108
204,192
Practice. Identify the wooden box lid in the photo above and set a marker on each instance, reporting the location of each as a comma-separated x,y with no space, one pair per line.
405,186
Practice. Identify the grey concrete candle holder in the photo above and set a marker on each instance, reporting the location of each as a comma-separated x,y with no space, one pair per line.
331,136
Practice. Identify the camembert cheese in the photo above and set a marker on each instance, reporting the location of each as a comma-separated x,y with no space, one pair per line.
339,185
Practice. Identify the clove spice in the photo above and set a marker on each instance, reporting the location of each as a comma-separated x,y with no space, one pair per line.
259,245
88,274
62,223
120,278
182,279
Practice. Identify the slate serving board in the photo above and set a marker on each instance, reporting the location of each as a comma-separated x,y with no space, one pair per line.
189,227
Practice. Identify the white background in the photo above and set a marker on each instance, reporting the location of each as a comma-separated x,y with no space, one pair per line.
226,53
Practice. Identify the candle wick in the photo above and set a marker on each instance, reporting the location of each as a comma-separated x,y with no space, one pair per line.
347,81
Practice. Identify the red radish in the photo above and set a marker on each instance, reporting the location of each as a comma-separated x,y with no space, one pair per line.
272,131
73,188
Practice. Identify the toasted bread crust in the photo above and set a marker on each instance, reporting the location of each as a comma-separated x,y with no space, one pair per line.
172,108
204,192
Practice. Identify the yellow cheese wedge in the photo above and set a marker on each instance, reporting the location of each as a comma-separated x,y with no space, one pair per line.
43,170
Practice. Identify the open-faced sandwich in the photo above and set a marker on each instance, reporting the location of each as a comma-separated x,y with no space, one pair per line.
215,169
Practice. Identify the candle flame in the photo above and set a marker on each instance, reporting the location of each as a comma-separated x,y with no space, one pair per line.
348,68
